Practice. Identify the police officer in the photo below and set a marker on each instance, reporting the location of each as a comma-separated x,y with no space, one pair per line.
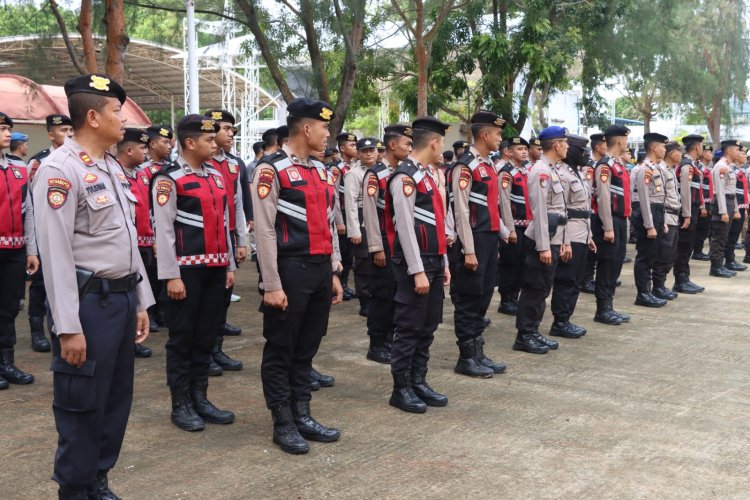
270,141
96,293
458,148
59,128
724,206
232,173
598,151
19,145
475,199
516,214
535,150
355,230
398,143
648,217
131,152
667,244
611,204
347,144
741,193
189,200
570,272
293,205
693,209
547,241
17,253
416,234
159,149
704,223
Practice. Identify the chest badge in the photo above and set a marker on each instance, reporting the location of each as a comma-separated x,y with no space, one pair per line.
17,173
218,182
293,174
102,199
145,180
90,178
232,168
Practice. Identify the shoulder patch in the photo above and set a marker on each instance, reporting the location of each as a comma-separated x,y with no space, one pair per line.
544,180
464,177
408,185
506,179
372,185
265,180
61,183
604,174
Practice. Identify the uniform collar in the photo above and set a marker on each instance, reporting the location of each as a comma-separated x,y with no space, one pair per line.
304,162
190,170
220,157
83,155
3,161
476,154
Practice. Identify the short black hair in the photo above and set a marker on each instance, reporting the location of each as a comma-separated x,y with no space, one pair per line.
257,147
293,122
612,139
448,156
477,128
79,105
548,143
422,136
183,136
15,145
388,137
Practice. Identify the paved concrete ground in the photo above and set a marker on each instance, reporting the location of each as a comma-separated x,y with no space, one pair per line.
657,408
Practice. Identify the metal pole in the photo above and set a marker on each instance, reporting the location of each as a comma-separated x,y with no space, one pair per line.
171,109
193,94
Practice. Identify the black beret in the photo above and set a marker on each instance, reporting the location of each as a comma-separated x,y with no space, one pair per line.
534,141
381,145
282,132
367,142
577,141
303,107
654,137
516,141
220,115
95,84
271,132
596,139
487,118
730,142
692,139
346,137
55,120
399,129
432,124
616,131
160,131
5,120
708,147
135,135
196,124
672,145
459,144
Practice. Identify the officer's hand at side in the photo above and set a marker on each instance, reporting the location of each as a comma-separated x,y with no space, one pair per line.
142,327
154,249
704,213
241,254
566,253
545,257
685,223
609,236
73,348
666,229
513,237
338,291
276,299
341,229
250,226
421,284
32,264
446,277
230,279
470,262
736,216
378,258
724,218
651,233
176,289
449,240
592,246
355,240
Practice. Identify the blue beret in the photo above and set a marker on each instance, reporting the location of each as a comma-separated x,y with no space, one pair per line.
718,154
18,136
553,132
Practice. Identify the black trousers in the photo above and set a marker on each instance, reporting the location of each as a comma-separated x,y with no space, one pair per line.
149,262
194,323
646,249
685,245
37,305
733,237
383,286
609,257
293,336
416,317
665,255
720,234
473,290
702,231
347,258
12,289
510,269
569,277
92,404
362,270
537,284
229,291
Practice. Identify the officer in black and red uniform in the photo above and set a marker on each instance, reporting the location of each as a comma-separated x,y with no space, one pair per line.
703,228
348,148
17,253
159,149
741,191
190,210
293,205
416,233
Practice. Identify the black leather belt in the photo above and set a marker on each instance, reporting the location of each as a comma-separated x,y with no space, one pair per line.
578,214
672,211
114,285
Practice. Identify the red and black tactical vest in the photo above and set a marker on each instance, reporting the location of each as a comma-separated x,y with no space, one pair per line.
707,184
429,220
741,188
305,208
36,161
484,196
520,207
696,191
339,171
150,167
200,226
619,188
382,173
139,186
13,204
230,170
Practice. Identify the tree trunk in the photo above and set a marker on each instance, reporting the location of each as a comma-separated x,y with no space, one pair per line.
316,57
714,122
250,10
420,51
117,39
66,37
348,79
85,22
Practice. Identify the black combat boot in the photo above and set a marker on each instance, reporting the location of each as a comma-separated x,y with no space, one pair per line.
551,344
285,433
485,361
230,330
310,428
646,299
507,305
682,284
378,351
204,408
214,370
423,390
364,306
9,371
527,341
403,396
662,292
605,314
719,271
565,329
73,493
468,362
735,266
322,380
100,489
589,287
141,351
3,384
39,342
183,413
220,357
